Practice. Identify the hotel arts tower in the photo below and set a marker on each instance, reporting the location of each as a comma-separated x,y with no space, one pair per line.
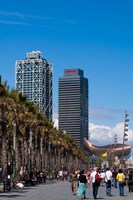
34,78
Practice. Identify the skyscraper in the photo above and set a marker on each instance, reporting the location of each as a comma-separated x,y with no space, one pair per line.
34,78
73,104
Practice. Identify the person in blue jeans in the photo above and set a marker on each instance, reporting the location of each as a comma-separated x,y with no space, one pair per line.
108,181
120,177
121,189
108,187
114,173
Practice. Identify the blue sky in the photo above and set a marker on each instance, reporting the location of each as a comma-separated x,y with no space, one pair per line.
95,36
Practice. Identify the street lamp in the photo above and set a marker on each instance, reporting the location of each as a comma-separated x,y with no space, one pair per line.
30,152
41,152
49,148
55,164
1,173
125,135
92,160
115,139
114,146
14,150
125,128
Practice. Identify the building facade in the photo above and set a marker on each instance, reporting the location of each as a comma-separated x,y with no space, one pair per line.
34,79
73,105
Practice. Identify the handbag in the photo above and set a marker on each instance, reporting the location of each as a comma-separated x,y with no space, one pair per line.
123,183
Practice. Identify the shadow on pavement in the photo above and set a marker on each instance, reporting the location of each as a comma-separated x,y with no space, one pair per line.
9,196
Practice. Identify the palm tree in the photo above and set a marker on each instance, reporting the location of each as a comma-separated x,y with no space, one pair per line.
16,109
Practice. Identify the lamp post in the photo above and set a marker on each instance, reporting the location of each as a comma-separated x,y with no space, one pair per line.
49,148
30,152
114,146
1,173
92,161
125,135
14,150
41,152
66,164
115,139
55,154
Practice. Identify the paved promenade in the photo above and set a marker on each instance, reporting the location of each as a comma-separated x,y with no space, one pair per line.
59,190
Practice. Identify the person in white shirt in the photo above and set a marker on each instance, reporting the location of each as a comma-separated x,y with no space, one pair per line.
94,185
60,175
108,181
102,175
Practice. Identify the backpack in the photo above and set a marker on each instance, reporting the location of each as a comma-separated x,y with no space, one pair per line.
97,178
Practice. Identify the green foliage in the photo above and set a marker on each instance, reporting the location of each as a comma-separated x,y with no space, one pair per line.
27,116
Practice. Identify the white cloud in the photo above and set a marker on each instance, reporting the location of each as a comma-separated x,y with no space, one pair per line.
36,17
100,134
55,123
103,135
55,119
23,15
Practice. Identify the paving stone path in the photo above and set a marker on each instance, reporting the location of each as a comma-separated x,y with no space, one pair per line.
59,190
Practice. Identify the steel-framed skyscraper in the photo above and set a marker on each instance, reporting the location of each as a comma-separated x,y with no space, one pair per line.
73,105
34,78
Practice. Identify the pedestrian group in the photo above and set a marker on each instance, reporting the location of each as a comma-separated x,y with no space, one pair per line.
81,179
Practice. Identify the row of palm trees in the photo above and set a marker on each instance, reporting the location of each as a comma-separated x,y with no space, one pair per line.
29,141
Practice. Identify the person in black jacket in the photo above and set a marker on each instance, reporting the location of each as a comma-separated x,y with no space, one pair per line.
114,174
130,181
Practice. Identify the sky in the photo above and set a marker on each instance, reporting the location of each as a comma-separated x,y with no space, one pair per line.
95,36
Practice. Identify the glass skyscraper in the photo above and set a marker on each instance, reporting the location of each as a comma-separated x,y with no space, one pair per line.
73,105
34,79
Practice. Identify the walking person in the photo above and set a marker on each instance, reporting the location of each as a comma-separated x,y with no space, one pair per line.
81,191
102,175
114,173
108,181
130,181
95,185
74,181
120,178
